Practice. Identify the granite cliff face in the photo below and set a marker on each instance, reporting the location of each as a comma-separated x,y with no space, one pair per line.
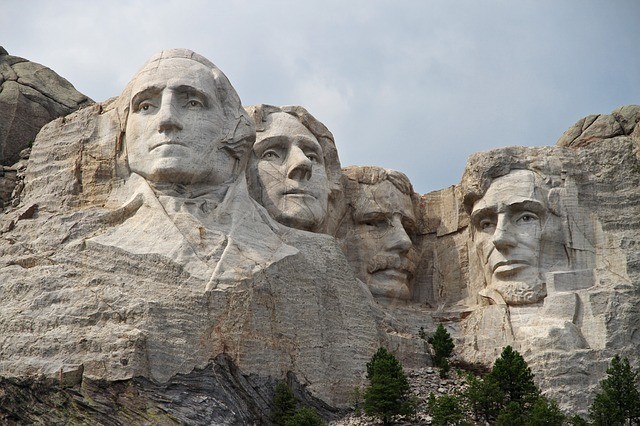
152,286
31,95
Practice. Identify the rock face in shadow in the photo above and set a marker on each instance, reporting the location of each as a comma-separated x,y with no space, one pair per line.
31,95
218,394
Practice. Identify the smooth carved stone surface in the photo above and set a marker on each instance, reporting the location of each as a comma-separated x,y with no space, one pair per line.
294,171
377,229
31,95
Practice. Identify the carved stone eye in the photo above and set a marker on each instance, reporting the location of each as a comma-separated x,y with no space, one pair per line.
270,155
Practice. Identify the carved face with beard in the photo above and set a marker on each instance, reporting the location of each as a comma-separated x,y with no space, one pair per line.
513,227
379,245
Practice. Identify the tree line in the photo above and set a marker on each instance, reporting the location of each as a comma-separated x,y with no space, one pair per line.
507,395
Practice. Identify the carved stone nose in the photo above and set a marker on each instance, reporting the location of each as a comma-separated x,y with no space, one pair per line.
397,238
299,165
168,118
503,237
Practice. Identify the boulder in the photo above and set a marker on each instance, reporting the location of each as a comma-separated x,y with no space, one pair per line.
31,95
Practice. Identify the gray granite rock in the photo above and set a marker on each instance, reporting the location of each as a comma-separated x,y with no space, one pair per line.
31,95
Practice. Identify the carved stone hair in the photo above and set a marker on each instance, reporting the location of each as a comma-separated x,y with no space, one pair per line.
239,134
484,167
372,175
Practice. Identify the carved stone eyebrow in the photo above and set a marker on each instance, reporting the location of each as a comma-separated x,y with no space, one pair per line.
276,141
143,94
191,91
368,215
534,206
476,215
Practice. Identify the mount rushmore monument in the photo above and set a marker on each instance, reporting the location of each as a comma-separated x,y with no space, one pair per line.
173,249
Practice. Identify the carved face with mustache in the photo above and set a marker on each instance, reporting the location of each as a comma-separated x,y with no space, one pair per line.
379,246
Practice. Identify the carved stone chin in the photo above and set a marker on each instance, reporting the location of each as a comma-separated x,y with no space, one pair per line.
520,293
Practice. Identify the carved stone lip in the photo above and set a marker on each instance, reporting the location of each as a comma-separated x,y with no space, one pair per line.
165,142
393,271
297,191
509,265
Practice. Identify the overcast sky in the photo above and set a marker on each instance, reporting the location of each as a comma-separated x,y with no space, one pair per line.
415,86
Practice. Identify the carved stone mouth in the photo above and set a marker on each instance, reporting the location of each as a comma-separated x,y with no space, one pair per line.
509,265
404,273
297,191
168,142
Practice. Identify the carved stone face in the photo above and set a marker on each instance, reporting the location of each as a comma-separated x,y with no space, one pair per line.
379,246
288,162
174,125
509,226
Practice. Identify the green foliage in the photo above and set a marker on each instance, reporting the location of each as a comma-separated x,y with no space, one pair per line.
578,421
284,404
485,398
446,410
442,345
388,393
356,400
511,415
508,394
284,410
514,377
618,402
305,417
545,413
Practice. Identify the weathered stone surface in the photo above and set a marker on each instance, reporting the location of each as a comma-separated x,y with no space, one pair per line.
98,271
376,230
143,281
587,310
596,128
218,394
31,95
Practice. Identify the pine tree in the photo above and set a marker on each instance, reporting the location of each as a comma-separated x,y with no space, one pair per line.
484,397
305,417
618,403
284,404
442,345
514,378
388,393
446,410
545,413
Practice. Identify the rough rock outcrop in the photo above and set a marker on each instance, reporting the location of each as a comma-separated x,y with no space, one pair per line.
586,309
31,95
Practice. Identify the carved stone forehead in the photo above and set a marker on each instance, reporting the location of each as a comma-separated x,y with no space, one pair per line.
281,123
516,187
176,72
382,197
